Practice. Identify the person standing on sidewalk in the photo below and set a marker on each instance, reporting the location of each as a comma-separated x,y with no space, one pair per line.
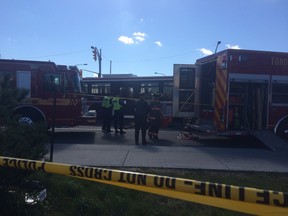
106,114
118,117
155,116
141,111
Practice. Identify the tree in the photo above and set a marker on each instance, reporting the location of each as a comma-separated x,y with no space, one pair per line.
20,141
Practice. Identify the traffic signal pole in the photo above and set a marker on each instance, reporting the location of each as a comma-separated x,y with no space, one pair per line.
97,54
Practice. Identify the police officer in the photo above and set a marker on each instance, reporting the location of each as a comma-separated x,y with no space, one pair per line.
155,116
118,117
141,111
106,114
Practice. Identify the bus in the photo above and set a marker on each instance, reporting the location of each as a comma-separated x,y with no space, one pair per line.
54,93
128,87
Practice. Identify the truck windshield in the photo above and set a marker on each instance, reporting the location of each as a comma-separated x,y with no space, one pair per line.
75,81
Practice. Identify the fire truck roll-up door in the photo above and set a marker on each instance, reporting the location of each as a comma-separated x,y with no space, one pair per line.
24,81
248,102
184,88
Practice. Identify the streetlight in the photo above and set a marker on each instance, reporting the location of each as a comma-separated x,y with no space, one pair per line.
97,54
219,42
80,64
160,73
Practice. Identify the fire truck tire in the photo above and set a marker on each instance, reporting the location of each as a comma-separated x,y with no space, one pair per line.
29,115
281,129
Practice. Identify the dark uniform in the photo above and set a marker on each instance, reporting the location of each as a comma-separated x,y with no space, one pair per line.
155,117
106,114
141,111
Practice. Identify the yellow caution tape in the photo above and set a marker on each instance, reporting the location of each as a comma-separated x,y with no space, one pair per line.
241,199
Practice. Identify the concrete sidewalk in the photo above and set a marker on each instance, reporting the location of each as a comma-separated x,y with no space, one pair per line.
174,155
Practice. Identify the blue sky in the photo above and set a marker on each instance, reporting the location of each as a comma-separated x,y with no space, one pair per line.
139,36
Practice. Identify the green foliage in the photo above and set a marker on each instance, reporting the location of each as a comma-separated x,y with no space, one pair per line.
20,141
72,196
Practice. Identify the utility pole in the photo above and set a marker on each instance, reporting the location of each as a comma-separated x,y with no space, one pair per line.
97,54
110,66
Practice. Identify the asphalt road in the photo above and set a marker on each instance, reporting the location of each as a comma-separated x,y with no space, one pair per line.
91,147
167,137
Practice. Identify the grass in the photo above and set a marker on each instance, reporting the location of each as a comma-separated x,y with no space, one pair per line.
70,196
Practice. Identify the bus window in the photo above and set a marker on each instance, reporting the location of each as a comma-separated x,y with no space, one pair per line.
126,92
149,87
101,88
167,93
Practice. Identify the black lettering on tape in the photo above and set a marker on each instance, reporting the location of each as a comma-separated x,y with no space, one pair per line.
72,170
32,165
265,198
80,171
121,179
24,164
132,178
102,174
201,188
5,162
241,193
108,175
42,167
89,172
12,162
167,182
228,191
285,200
98,173
215,189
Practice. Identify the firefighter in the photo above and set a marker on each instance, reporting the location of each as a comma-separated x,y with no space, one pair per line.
155,116
118,117
141,110
106,114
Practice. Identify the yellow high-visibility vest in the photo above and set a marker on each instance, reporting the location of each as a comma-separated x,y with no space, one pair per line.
116,103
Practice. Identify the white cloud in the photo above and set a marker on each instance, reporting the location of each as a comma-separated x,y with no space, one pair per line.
158,43
139,36
136,38
232,46
205,51
126,40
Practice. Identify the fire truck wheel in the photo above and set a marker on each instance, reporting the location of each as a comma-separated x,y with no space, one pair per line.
281,129
29,116
26,120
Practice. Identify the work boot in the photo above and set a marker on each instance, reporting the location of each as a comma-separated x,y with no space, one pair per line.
122,132
116,131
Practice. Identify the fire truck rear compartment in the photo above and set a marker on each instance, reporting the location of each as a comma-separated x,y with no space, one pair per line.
247,105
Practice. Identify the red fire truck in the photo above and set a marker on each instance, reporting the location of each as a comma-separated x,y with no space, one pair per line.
236,92
52,90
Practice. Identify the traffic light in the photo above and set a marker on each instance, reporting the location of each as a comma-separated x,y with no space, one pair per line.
94,51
